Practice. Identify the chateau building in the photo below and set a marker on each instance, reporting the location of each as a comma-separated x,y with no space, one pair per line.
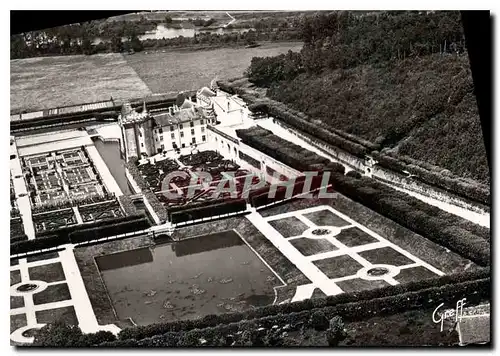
148,133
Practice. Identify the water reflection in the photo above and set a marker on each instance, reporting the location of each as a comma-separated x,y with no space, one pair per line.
205,275
167,33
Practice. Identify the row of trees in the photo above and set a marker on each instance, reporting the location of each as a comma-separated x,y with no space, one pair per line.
36,44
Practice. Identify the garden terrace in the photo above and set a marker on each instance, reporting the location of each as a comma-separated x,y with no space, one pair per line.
282,150
16,228
204,157
154,173
100,211
62,178
54,220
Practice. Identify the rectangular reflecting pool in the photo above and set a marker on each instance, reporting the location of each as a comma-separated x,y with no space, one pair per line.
192,278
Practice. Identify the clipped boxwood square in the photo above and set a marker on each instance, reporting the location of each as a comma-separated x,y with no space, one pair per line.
289,227
340,266
357,284
66,315
354,237
53,293
414,274
15,277
52,272
309,247
16,302
43,256
17,321
385,255
326,218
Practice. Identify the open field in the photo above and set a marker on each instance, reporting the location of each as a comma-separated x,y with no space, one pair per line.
177,70
49,82
40,83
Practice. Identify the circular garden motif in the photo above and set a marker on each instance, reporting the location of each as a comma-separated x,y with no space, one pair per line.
30,332
320,232
28,287
377,271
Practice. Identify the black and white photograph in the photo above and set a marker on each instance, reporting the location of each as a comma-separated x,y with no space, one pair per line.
250,179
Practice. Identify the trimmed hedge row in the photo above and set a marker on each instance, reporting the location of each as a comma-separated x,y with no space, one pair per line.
282,150
157,206
37,244
261,197
417,216
476,292
475,191
358,147
110,230
62,236
229,206
141,332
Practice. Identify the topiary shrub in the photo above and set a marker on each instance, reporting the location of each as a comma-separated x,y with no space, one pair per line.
336,331
318,320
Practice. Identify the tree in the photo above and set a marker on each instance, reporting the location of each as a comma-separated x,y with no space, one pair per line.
136,44
318,320
58,334
86,46
168,19
116,44
336,331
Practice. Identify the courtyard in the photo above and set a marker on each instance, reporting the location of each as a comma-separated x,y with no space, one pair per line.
301,249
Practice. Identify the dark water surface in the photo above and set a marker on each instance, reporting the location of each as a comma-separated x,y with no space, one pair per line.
110,153
204,275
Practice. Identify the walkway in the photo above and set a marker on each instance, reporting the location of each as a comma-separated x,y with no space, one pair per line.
78,300
23,202
306,263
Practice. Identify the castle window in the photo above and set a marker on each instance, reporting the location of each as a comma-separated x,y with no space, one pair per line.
202,129
172,135
161,138
160,130
192,132
203,138
180,126
191,124
156,139
142,144
162,147
201,122
183,145
171,127
182,133
140,134
193,140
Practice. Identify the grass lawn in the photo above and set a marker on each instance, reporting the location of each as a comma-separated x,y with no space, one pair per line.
357,284
386,256
65,314
309,247
289,227
16,302
340,266
177,70
354,237
17,321
15,277
48,82
326,218
53,293
412,274
52,272
41,257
